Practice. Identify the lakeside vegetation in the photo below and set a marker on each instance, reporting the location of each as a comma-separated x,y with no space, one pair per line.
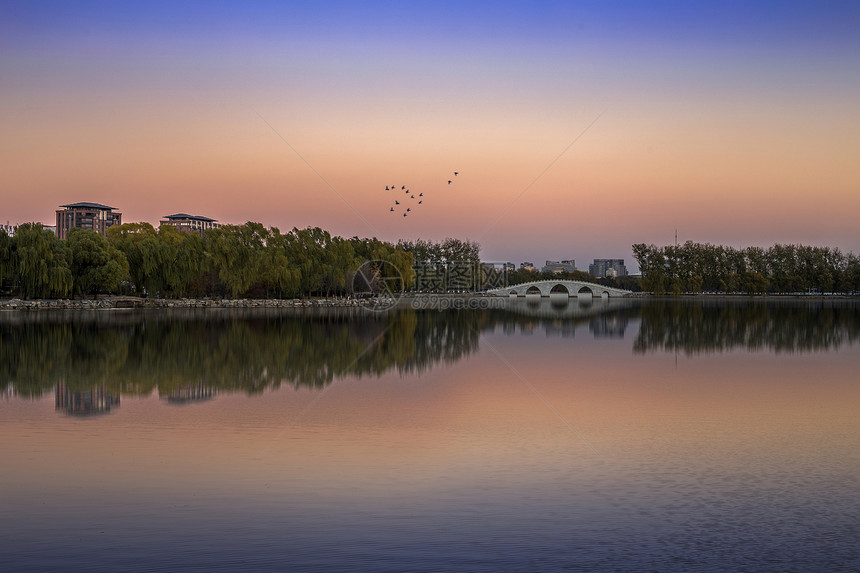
780,269
253,261
247,260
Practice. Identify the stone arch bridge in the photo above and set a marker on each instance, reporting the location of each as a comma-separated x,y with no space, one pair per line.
571,288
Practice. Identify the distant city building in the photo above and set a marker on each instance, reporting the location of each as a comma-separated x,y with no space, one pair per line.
527,266
93,216
12,229
189,223
558,267
608,268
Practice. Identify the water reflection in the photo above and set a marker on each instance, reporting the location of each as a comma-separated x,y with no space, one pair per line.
190,356
696,327
84,402
189,394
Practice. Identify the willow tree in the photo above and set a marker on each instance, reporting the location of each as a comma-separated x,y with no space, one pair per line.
96,265
307,249
235,253
39,263
277,272
6,268
139,243
182,259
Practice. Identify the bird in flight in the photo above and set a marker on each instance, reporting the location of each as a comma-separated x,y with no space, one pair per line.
456,173
449,181
392,209
421,194
419,202
396,202
408,210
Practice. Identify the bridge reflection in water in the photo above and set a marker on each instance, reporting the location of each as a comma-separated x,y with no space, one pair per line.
562,306
89,359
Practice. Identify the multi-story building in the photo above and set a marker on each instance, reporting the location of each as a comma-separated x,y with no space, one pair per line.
93,216
558,267
189,223
527,266
608,268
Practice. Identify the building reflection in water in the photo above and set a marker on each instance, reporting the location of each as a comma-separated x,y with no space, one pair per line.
93,401
608,326
190,358
563,328
188,394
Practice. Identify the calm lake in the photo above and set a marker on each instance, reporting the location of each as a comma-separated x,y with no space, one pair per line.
538,435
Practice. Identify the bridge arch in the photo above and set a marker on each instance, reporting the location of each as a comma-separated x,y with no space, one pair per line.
533,290
585,291
559,289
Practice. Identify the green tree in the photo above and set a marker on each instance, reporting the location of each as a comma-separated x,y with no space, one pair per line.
96,265
6,266
236,254
39,263
181,260
652,264
139,243
278,272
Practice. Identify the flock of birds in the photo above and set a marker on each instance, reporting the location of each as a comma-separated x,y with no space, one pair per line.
410,200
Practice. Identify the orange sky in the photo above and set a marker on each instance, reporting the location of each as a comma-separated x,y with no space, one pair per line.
736,128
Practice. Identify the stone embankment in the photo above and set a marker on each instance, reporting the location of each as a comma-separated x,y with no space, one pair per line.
119,302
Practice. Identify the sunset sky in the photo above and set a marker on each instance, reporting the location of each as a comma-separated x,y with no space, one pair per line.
734,122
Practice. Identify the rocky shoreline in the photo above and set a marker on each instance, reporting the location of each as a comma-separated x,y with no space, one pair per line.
128,302
124,302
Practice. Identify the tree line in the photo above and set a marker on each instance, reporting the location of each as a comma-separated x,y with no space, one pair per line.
251,260
780,269
247,260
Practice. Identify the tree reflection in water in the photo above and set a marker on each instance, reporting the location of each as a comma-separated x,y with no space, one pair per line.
190,355
708,326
